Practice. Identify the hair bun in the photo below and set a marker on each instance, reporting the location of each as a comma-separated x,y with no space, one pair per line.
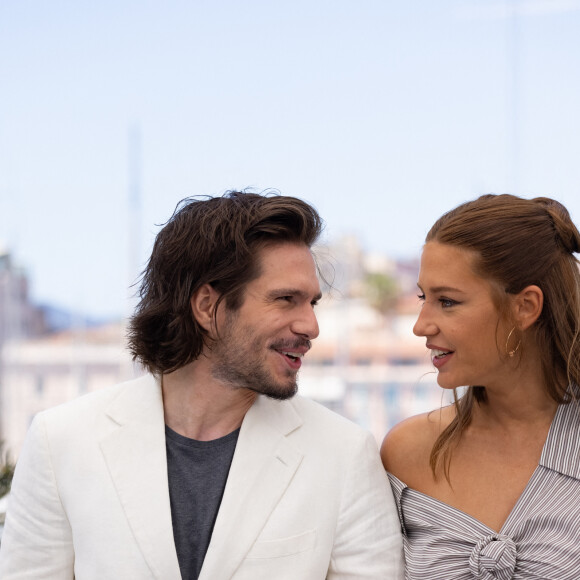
566,231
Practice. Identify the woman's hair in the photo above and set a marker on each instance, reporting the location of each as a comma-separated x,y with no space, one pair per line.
208,240
518,242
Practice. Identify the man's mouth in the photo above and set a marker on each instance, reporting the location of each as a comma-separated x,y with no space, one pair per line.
293,355
293,359
292,351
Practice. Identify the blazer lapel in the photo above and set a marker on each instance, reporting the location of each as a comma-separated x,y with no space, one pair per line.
263,466
136,456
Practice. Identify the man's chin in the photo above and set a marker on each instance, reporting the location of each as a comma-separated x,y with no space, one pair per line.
277,392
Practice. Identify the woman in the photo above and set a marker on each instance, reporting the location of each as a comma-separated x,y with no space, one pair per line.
489,487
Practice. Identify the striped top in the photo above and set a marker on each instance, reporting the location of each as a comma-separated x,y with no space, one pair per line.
539,540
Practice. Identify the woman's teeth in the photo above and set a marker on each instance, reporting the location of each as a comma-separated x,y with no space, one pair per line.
435,353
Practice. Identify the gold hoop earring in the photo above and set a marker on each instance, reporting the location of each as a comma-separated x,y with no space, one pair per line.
511,353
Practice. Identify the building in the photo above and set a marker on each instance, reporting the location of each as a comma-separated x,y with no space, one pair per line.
19,318
44,372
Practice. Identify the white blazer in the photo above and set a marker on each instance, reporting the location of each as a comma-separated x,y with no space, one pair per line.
306,496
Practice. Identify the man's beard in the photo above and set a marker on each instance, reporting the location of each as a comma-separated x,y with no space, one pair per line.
239,360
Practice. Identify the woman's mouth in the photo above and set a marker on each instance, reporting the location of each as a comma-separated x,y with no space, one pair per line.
440,357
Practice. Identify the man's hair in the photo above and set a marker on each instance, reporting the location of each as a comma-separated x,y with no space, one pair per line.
208,240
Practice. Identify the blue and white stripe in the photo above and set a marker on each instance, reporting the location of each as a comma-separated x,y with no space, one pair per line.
539,540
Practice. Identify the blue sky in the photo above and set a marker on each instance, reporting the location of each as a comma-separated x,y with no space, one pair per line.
382,114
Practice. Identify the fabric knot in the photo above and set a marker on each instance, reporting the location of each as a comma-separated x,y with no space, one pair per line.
493,558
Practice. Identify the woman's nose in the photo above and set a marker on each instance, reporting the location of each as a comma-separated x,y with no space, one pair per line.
424,326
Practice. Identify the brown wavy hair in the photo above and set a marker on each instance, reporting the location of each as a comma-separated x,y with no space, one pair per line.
208,240
519,242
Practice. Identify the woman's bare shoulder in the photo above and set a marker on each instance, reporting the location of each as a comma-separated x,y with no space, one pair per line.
407,446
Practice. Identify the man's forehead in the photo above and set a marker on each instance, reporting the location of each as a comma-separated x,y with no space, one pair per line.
288,265
279,255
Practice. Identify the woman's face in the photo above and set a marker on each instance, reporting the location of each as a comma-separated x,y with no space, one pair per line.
458,318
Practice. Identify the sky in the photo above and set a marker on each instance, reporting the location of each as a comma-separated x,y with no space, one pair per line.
382,114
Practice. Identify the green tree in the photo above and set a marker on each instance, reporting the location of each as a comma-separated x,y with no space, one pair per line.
6,470
381,292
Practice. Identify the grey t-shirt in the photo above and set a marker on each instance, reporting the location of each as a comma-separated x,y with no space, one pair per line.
197,473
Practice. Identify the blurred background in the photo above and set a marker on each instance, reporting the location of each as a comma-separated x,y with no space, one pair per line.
382,114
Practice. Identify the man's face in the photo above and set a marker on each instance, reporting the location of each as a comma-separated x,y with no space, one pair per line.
260,346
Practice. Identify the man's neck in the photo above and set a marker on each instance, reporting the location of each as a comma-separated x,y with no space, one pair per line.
199,407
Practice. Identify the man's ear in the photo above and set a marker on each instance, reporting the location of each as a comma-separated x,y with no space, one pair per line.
527,306
203,304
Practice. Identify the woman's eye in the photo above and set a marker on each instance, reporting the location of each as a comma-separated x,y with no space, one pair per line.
445,302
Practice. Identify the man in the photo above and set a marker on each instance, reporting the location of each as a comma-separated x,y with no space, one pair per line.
208,467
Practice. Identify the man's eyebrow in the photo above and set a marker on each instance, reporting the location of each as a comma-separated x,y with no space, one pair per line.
293,292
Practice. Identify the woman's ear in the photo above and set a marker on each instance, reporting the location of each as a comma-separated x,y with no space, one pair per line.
203,304
527,306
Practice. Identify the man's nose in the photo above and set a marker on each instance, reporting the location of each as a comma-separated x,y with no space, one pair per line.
306,324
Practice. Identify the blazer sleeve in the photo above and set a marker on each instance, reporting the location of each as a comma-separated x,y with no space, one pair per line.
368,542
37,538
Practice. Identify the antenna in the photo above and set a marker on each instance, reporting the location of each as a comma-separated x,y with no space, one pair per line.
128,369
134,207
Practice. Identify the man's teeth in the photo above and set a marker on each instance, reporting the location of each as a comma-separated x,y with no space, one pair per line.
436,353
292,354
